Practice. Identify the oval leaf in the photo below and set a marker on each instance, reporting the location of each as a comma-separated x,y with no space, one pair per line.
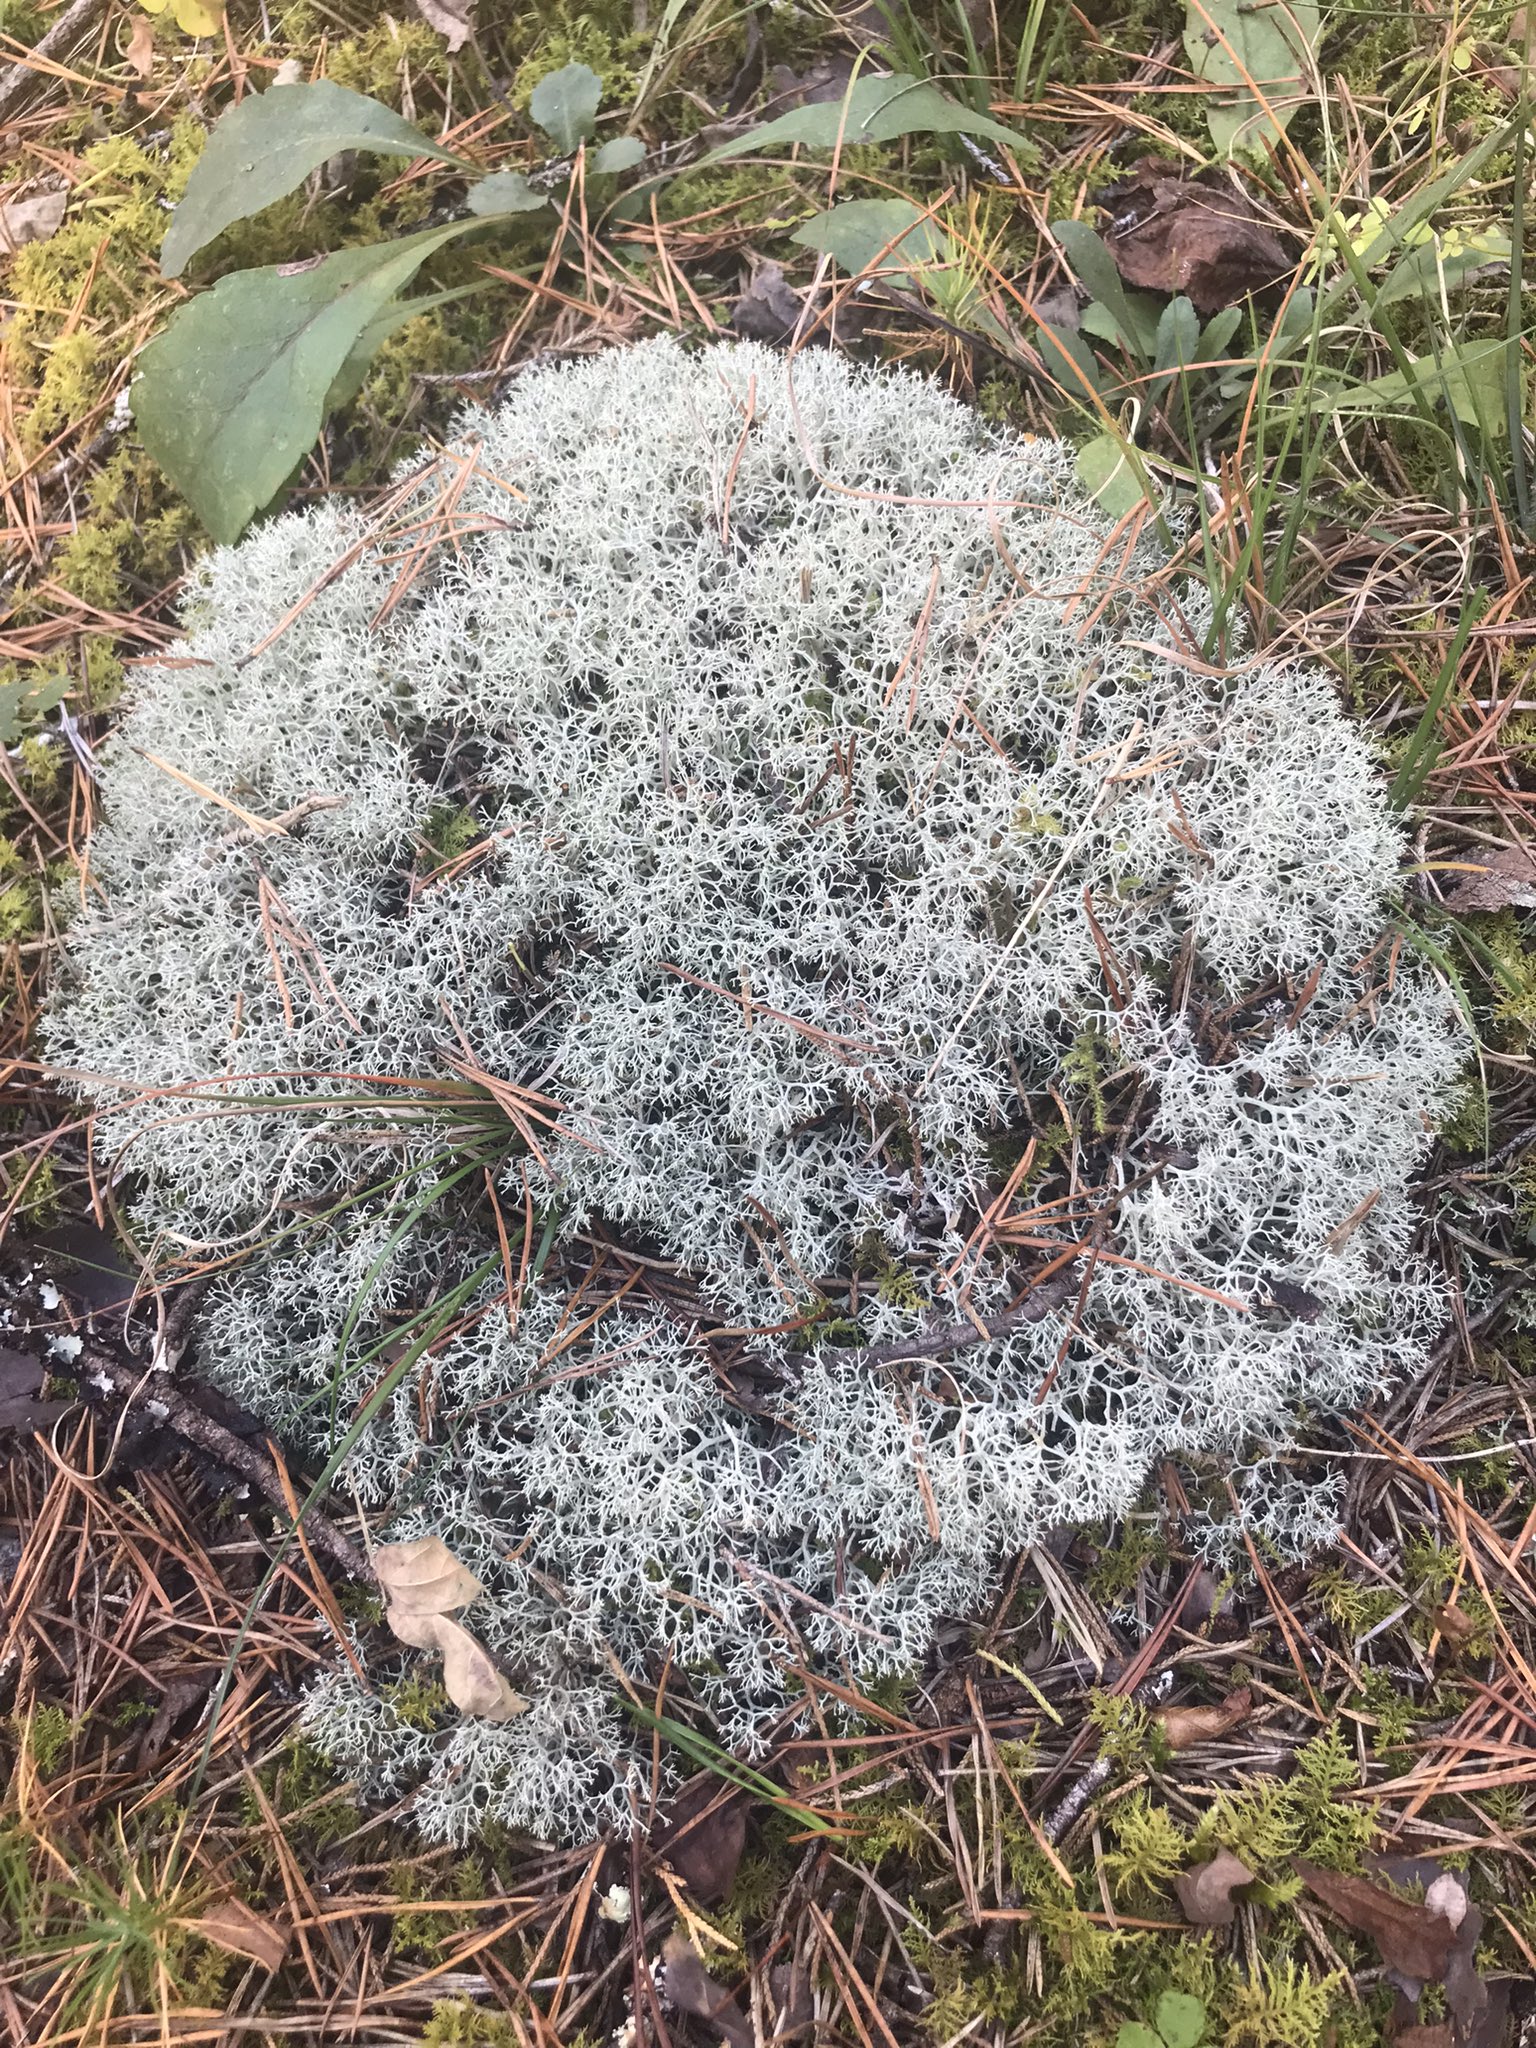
621,154
267,146
504,192
1104,472
875,108
565,106
862,234
233,394
1180,2019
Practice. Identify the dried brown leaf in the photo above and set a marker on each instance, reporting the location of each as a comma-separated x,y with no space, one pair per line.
768,310
237,1927
1423,2037
1184,1726
423,1577
32,219
470,1679
1205,1892
140,52
452,19
1455,1624
1506,880
1208,241
693,1990
702,1837
1413,1939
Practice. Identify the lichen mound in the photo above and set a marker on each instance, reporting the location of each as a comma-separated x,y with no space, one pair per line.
976,1059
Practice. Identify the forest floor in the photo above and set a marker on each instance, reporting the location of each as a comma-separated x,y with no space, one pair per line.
1150,1797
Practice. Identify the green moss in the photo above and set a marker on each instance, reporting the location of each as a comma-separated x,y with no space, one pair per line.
1128,1736
613,48
1083,1070
457,2023
1352,1608
49,1737
419,1701
1151,1847
1116,1571
398,49
1280,2006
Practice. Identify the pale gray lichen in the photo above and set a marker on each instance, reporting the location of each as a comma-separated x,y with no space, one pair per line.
834,790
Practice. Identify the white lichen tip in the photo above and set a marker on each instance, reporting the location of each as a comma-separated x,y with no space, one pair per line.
780,787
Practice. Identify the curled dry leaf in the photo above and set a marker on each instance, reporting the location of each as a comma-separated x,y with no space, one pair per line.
32,219
1205,1892
1505,879
423,1577
451,18
1184,1726
693,1990
1455,1624
237,1927
1414,1940
470,1679
702,1837
1179,235
140,52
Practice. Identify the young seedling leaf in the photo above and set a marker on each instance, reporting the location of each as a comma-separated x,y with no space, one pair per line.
233,394
1442,261
1180,2019
504,192
25,698
621,154
875,108
1259,63
1104,471
267,146
565,106
1135,324
879,235
1134,2035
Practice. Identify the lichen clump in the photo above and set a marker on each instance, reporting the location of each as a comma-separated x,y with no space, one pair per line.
846,840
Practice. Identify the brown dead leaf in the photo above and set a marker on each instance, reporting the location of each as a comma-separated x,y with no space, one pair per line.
32,219
1206,240
1505,880
423,1577
691,1988
1414,1940
140,52
768,310
1205,1892
237,1927
451,19
470,1679
1184,1726
702,1837
1455,1624
1423,2037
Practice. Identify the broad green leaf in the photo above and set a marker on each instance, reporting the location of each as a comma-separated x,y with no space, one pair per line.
504,192
267,146
621,154
1218,334
1067,358
233,394
1178,335
1258,59
856,231
1469,375
565,106
1134,2035
1104,472
875,108
1449,259
352,375
1180,2019
1135,318
27,697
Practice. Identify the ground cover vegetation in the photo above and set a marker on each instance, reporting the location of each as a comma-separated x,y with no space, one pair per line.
1172,1785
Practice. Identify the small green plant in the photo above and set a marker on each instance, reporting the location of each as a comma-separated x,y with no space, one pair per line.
1177,2021
233,395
